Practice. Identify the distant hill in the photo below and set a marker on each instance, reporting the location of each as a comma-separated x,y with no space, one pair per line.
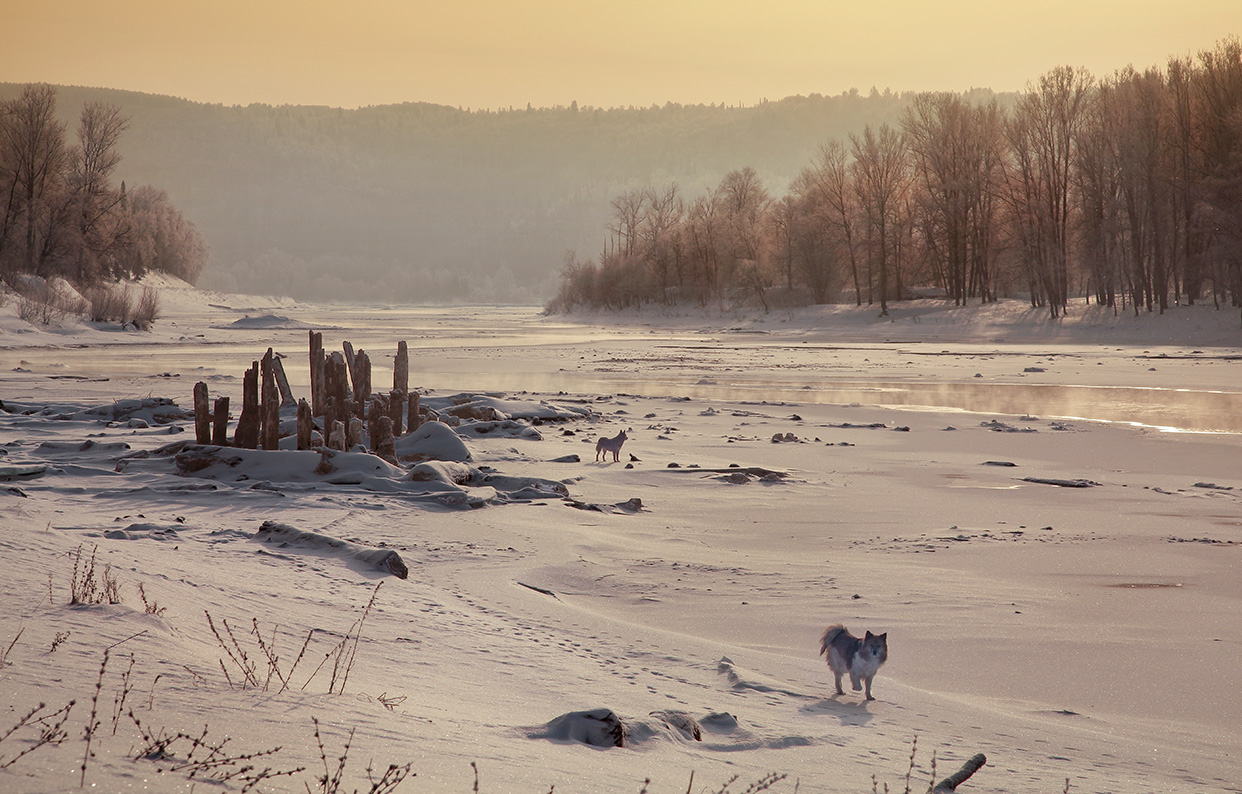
418,202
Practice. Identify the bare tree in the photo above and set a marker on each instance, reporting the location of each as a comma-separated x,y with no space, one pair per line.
96,201
881,179
33,142
1098,190
832,177
1187,249
660,243
160,238
627,211
956,157
813,239
1218,112
1042,135
703,231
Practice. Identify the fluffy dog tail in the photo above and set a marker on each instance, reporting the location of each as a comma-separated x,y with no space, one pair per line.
830,635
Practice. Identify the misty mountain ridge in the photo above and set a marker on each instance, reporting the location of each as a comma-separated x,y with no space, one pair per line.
419,202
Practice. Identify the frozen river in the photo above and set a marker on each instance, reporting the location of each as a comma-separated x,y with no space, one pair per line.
513,349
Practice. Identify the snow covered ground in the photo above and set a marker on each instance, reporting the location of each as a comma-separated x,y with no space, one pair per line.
919,484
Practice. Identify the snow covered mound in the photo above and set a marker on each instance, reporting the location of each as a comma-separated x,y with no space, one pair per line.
266,322
432,441
488,407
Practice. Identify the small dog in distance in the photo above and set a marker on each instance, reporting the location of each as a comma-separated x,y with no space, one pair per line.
613,445
861,658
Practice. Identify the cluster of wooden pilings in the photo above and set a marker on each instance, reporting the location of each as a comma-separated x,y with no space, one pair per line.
341,398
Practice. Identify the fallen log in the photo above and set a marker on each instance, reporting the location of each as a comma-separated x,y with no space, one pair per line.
949,784
756,471
285,536
1061,483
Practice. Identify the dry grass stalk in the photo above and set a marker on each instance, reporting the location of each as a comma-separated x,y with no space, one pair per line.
84,588
118,698
206,759
914,748
111,591
149,605
249,669
92,724
330,781
51,730
391,703
82,584
269,650
344,652
762,784
4,656
151,697
236,653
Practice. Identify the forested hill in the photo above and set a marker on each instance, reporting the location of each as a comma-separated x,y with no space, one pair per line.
419,202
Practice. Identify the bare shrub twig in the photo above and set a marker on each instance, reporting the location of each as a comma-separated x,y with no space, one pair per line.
149,605
92,724
330,781
248,668
4,656
51,730
206,759
118,698
344,652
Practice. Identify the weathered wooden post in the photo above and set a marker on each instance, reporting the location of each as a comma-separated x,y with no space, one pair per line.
353,435
336,382
269,417
247,433
401,370
220,427
348,348
202,414
362,382
329,416
318,393
336,439
386,445
267,376
396,407
271,423
282,382
377,408
306,424
413,415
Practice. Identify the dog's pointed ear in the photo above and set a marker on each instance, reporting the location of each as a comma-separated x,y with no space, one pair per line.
869,635
883,636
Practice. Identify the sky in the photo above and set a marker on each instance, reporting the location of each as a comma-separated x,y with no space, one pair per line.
494,54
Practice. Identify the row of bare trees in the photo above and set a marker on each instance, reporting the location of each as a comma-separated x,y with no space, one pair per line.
61,214
1126,190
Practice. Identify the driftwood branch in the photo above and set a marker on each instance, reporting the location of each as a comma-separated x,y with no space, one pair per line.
949,784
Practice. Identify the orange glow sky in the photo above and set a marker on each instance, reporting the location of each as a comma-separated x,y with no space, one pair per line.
493,54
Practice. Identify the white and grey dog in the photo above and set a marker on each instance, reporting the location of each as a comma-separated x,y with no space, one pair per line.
848,654
613,445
